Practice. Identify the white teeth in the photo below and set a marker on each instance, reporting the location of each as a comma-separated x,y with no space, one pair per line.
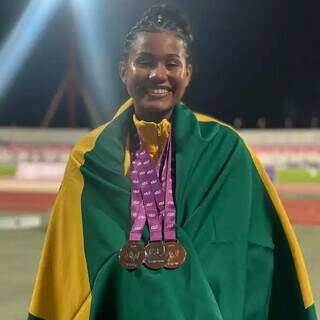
159,91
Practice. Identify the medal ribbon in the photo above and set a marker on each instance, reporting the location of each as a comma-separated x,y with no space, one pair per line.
138,216
148,200
170,208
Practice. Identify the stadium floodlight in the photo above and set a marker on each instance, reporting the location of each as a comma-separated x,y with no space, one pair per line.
91,40
23,37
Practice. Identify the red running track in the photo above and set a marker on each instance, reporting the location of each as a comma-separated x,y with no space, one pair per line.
21,202
306,212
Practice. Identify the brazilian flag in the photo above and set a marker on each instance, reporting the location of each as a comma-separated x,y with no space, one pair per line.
243,262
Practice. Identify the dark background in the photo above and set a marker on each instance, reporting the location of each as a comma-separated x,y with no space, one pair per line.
252,59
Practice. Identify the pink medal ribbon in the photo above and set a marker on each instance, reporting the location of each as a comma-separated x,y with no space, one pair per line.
132,255
170,208
138,216
152,200
158,204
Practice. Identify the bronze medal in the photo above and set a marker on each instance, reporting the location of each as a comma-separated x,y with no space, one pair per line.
177,254
156,255
131,255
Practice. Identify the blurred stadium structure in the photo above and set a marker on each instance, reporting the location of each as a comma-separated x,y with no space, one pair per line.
32,163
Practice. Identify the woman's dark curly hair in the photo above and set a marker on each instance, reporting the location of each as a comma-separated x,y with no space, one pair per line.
161,18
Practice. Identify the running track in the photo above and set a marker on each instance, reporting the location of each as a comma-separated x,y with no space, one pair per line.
302,203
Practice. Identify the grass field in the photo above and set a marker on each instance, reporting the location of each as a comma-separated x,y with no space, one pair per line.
297,175
7,171
20,250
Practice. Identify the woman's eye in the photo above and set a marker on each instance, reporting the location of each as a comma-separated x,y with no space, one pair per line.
172,65
144,63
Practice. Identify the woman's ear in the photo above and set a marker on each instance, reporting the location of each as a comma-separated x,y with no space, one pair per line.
122,68
189,72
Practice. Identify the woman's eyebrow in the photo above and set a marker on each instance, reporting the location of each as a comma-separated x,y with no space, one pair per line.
150,55
145,54
173,55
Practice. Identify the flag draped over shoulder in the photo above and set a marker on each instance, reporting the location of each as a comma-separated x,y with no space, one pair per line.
243,260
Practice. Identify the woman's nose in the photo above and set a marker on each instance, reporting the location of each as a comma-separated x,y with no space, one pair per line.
159,73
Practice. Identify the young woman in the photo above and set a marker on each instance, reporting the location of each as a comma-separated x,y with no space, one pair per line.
166,214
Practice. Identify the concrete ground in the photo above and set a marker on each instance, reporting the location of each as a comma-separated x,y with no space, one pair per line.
20,250
19,254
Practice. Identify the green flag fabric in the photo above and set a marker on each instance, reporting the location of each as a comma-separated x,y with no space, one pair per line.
243,260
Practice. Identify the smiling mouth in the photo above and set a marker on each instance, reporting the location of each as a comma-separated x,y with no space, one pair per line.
158,92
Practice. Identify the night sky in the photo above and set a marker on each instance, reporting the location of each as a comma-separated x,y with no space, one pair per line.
251,59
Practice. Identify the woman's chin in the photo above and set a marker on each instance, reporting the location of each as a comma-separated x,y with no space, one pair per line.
154,112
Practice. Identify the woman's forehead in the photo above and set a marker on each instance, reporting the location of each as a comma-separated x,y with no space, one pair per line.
158,43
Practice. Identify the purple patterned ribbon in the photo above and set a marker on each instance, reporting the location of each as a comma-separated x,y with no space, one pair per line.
152,198
170,208
138,216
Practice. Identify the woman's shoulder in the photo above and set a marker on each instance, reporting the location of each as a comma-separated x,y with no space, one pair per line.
86,143
211,126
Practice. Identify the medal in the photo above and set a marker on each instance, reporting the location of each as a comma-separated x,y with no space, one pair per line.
156,255
131,255
152,201
176,254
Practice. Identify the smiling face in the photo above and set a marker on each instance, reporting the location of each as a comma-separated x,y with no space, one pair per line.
156,74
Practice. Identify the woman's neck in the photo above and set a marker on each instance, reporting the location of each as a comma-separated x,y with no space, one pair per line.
156,117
